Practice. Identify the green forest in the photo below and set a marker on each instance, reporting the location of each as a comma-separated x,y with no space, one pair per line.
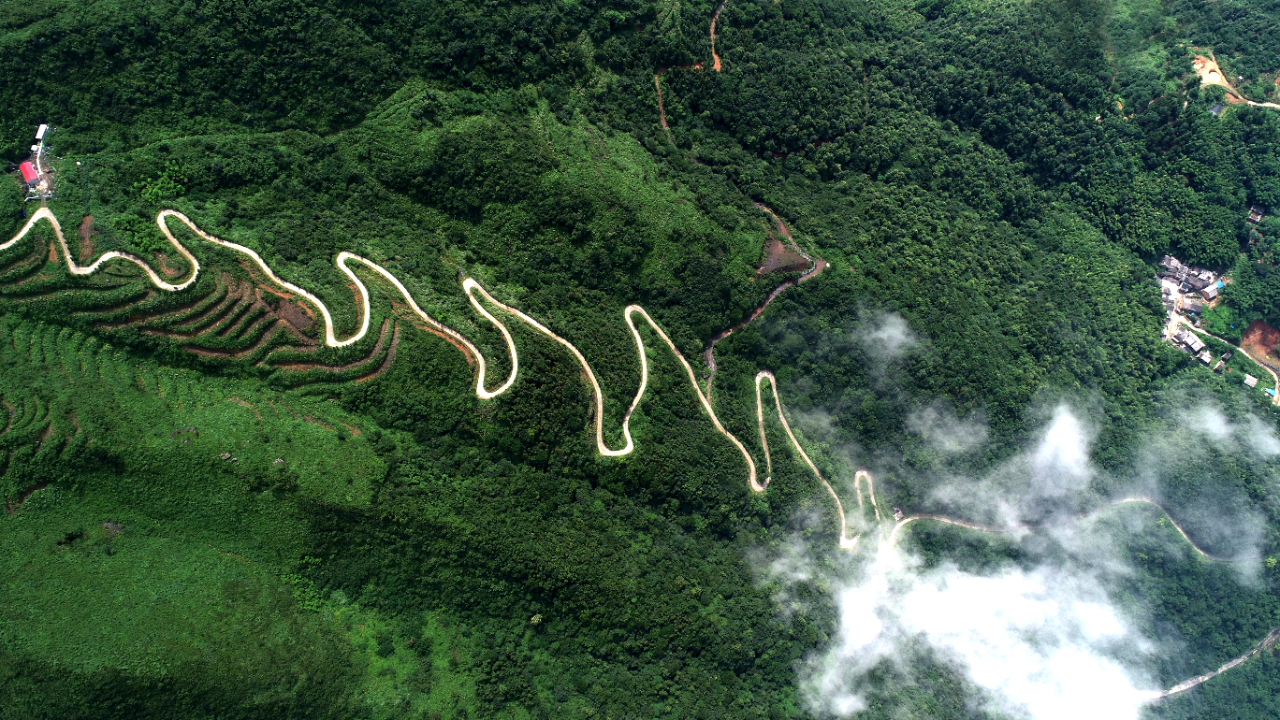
213,513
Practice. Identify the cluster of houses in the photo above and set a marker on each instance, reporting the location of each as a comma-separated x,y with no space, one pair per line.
1187,288
1191,343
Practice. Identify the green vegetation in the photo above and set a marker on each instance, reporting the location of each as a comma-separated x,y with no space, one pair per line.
1226,322
418,553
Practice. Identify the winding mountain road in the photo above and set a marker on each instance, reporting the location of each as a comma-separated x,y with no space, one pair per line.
473,289
1028,527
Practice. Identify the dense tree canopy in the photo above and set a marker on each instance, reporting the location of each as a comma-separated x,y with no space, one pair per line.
1001,176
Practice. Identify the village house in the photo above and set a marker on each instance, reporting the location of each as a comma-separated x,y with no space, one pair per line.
1250,380
1190,339
1185,277
1256,213
29,175
1192,306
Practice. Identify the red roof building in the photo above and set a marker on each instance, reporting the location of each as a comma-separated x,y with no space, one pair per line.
29,174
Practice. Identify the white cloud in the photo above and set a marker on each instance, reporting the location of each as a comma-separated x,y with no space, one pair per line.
1210,421
944,432
1043,644
1261,437
888,337
1060,463
1054,470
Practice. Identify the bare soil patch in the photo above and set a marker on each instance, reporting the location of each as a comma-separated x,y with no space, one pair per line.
1260,341
295,315
1209,72
22,497
377,350
86,239
386,364
777,257
169,271
715,64
243,403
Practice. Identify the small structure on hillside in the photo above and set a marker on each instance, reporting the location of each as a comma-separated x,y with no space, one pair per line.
1216,110
1209,293
1192,306
1250,380
1256,213
37,175
1205,357
1218,368
29,175
1189,339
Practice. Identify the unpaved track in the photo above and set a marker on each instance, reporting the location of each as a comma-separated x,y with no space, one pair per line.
1210,74
714,57
1024,527
1267,643
1274,400
817,265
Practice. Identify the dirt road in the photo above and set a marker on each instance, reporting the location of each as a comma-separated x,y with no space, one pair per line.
817,265
1210,74
1274,400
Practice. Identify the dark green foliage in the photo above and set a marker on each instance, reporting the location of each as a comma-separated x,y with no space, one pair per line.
421,553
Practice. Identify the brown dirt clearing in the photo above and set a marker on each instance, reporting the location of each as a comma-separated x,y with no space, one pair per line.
780,258
1260,340
86,239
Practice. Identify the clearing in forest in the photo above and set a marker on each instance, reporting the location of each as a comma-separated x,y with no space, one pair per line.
1260,341
1210,74
780,258
86,238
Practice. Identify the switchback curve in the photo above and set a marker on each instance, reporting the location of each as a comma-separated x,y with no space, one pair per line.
471,287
